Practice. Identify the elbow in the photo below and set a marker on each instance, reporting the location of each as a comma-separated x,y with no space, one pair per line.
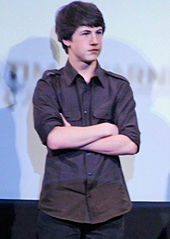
52,141
52,144
133,148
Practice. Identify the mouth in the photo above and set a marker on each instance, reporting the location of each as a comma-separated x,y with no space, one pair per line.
94,50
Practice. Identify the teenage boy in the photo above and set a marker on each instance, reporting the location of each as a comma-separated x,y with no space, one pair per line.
86,117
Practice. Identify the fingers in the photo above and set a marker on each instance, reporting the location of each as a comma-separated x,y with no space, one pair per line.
66,123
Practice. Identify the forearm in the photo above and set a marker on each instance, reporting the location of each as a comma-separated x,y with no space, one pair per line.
75,137
112,145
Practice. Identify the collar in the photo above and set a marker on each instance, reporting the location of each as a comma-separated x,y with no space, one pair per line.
70,74
100,75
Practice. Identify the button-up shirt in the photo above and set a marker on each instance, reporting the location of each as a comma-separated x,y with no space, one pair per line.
84,186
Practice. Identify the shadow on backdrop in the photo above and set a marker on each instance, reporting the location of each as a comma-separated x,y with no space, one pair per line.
25,63
147,172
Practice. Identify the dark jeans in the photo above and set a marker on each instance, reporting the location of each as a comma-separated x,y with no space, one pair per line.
52,228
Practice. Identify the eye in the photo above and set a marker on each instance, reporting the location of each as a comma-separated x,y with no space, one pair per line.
99,32
86,33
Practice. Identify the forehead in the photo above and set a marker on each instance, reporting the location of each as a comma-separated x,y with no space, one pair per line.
87,28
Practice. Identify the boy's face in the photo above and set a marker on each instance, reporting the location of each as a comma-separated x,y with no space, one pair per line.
85,45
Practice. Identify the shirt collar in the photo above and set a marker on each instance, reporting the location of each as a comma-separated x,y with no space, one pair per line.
100,74
70,74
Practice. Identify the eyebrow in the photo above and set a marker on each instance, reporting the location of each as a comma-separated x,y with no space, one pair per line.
88,30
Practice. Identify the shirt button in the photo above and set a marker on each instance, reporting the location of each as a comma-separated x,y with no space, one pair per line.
85,112
90,173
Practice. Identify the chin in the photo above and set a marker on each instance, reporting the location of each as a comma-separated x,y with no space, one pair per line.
90,60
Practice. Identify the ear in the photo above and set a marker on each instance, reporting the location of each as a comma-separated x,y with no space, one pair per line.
66,42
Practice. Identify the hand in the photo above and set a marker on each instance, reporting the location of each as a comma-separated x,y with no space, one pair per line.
66,123
110,129
115,129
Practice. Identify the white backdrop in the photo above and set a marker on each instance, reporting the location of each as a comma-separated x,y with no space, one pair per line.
136,44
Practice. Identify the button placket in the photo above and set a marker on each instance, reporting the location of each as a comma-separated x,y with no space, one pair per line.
86,105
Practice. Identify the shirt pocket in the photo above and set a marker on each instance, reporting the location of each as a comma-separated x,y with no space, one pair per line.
73,116
103,114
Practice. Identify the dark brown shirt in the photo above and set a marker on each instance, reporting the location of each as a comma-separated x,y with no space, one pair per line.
84,186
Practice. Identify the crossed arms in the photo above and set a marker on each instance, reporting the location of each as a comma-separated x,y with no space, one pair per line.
102,138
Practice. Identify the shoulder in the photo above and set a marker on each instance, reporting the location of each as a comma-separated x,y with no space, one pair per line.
51,73
116,76
45,85
50,76
48,79
117,81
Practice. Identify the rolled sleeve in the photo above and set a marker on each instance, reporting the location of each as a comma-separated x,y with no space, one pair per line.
46,110
126,118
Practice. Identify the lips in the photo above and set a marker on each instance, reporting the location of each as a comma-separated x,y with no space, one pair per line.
94,50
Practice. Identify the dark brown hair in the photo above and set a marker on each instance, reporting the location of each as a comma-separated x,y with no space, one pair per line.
76,14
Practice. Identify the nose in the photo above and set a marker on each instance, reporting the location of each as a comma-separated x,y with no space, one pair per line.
94,40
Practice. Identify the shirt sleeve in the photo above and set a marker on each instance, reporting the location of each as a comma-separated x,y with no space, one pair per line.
125,114
46,110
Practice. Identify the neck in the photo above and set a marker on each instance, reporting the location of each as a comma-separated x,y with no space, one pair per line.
86,70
